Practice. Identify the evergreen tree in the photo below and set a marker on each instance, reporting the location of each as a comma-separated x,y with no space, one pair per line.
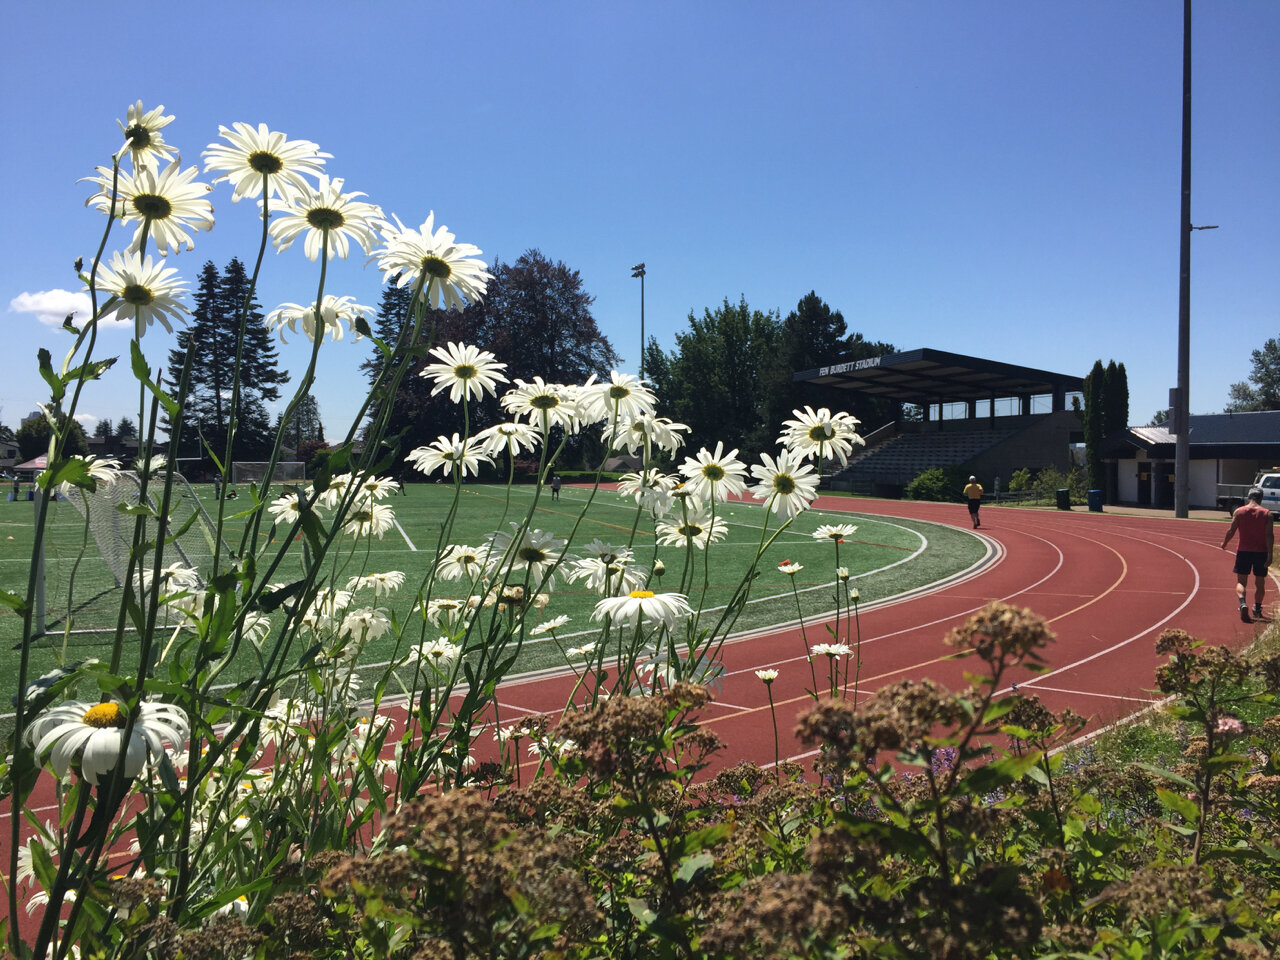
103,429
1262,391
212,338
303,428
1116,399
126,429
1095,422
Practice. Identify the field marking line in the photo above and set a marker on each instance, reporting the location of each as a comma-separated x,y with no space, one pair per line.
1090,693
405,535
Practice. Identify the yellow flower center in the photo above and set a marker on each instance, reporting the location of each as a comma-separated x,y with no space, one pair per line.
262,161
713,472
641,594
325,218
821,432
104,715
465,371
139,137
532,555
437,267
618,392
152,206
545,401
137,294
784,484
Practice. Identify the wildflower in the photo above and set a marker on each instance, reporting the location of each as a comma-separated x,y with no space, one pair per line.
458,561
382,584
842,573
449,455
586,650
369,518
788,484
89,736
829,649
364,624
142,137
144,291
333,312
630,433
768,676
286,508
101,470
715,476
549,626
837,532
165,204
544,405
698,528
454,277
651,489
465,370
817,433
1228,726
256,158
531,553
623,396
789,568
513,437
664,608
325,214
446,609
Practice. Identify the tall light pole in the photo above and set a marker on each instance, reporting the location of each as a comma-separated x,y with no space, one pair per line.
1182,401
638,271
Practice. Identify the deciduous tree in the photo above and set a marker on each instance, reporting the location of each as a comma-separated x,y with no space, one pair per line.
1262,390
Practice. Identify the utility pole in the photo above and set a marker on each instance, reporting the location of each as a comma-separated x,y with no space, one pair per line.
638,271
1182,407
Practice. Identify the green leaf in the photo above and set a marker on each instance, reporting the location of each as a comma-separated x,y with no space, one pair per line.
1187,809
57,386
690,867
13,602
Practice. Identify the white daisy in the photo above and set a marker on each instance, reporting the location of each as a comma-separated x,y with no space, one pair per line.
821,433
441,653
629,610
512,437
631,433
549,626
458,561
333,312
623,396
286,508
142,137
382,584
449,454
834,531
544,405
102,471
652,489
369,519
768,676
697,527
532,553
586,650
614,575
142,290
464,370
446,610
454,277
364,624
715,476
254,156
165,205
326,211
829,649
790,569
788,483
89,736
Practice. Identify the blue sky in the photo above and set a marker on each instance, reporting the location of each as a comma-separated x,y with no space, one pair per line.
994,178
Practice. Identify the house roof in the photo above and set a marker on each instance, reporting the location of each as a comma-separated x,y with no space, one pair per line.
932,376
1211,435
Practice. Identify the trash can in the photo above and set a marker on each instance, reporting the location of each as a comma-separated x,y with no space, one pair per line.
1095,501
1064,499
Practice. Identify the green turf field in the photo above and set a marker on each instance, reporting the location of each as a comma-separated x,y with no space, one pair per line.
885,557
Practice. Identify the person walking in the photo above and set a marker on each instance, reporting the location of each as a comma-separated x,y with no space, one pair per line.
973,491
555,486
1253,551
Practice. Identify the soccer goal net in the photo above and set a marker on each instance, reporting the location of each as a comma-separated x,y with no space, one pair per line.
88,540
255,471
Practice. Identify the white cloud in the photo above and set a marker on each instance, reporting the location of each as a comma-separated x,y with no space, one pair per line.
51,307
86,420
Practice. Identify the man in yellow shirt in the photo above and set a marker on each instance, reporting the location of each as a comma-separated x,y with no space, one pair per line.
973,491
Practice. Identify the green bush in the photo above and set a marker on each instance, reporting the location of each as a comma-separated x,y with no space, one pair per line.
938,484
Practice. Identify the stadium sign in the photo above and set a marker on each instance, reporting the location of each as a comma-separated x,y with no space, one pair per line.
851,365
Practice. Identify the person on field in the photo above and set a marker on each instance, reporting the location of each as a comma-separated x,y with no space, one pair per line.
973,492
1253,551
555,487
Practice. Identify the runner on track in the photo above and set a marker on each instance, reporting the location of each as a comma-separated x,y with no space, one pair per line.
1254,551
973,490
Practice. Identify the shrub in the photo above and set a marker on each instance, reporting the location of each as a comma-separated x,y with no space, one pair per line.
937,483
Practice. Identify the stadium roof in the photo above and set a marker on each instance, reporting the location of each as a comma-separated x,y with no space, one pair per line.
935,376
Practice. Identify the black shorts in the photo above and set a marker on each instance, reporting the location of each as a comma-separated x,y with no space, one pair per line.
1251,561
973,505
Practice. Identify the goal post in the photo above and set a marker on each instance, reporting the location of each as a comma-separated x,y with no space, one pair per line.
255,471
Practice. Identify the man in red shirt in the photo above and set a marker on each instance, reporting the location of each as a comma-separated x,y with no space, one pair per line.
1253,552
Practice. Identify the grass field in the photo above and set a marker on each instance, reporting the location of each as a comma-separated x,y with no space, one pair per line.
885,557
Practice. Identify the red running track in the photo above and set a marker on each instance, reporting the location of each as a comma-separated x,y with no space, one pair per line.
1107,585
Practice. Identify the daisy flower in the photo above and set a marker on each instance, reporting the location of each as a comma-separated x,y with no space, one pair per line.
768,676
544,405
532,553
326,211
623,396
631,433
614,576
829,649
458,561
819,433
286,508
254,157
90,736
698,528
788,483
651,489
166,204
629,610
448,455
382,584
550,626
441,653
333,311
101,470
369,519
715,476
446,609
144,291
454,276
364,624
465,370
512,437
789,568
834,531
142,137
586,650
